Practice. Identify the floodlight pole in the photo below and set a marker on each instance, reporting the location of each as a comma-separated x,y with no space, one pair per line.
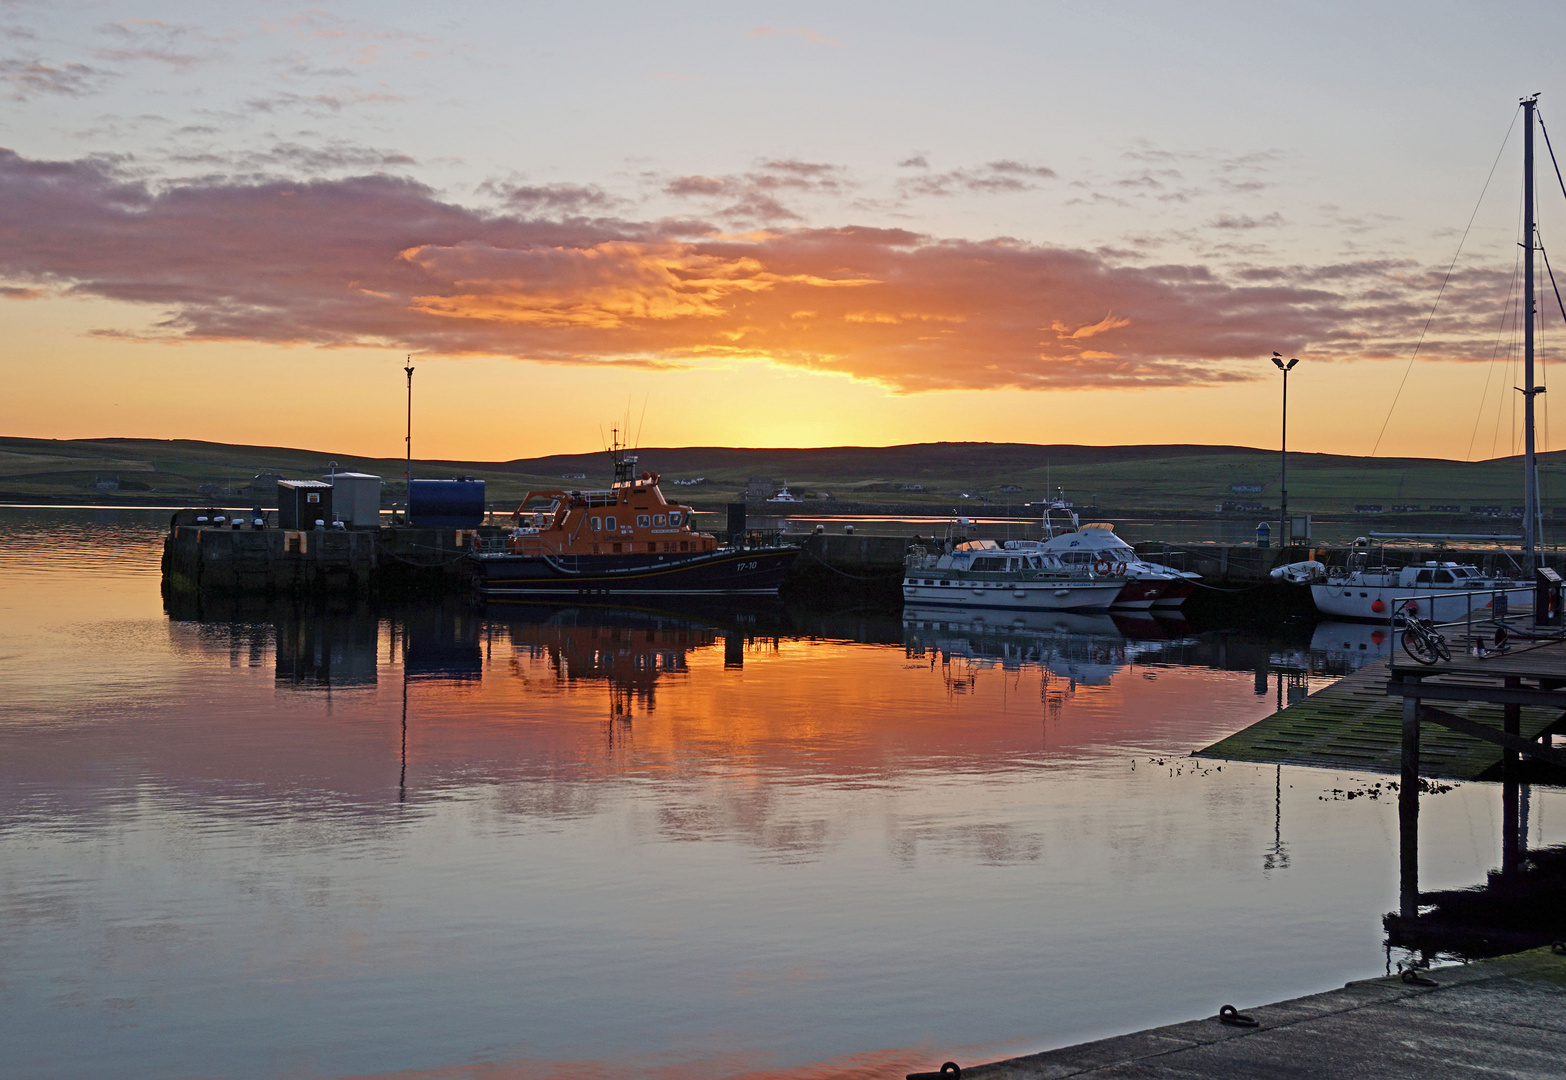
407,476
1285,537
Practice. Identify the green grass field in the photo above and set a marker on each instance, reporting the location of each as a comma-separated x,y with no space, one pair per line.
1118,479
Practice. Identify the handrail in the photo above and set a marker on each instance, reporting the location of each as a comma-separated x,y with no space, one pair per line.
1398,609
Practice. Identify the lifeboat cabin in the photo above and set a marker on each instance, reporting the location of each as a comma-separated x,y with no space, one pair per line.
631,518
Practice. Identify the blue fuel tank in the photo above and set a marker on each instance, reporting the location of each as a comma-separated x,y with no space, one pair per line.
443,504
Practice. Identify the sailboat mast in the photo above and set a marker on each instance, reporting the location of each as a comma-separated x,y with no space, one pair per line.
1530,485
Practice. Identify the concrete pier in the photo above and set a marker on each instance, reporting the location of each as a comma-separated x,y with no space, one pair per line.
1499,1017
210,559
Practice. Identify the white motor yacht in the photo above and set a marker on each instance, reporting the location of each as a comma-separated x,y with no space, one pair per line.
1096,546
981,573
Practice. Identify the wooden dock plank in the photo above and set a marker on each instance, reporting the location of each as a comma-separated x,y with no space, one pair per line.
1354,724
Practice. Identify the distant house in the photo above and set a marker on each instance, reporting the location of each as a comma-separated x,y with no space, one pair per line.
1445,509
107,483
1010,488
1242,508
759,487
1369,508
911,487
1246,489
573,476
1489,511
1405,508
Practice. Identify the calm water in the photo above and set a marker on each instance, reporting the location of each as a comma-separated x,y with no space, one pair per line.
436,843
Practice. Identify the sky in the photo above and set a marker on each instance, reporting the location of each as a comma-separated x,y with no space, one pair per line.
771,224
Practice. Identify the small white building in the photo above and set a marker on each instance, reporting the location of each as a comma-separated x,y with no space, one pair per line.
356,499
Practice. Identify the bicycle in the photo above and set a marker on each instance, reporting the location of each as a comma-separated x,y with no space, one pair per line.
1422,640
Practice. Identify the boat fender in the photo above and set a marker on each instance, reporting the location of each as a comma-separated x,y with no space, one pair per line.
1101,567
1378,607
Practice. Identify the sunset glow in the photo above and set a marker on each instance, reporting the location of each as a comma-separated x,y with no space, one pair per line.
202,216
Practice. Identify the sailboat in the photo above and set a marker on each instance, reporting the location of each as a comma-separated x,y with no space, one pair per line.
1447,591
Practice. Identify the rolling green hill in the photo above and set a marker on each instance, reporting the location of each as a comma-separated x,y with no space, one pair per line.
1119,479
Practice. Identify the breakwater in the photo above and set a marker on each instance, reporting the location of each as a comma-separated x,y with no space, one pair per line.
865,569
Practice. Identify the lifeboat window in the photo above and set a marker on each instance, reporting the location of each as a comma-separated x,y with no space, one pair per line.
1423,578
609,524
674,518
643,521
659,521
598,524
617,548
685,545
1443,576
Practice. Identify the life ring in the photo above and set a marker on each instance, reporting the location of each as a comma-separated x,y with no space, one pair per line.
1102,567
1120,569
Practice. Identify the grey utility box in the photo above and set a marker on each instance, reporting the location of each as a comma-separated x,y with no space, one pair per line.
356,497
301,503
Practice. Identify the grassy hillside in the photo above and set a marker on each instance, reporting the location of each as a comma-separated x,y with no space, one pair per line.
1119,479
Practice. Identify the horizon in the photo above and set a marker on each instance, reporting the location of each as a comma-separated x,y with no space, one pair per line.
782,231
1218,447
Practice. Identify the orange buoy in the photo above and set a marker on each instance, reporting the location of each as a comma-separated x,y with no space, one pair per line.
1378,607
1376,636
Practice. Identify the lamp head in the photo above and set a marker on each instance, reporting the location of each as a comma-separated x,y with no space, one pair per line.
1290,364
1275,360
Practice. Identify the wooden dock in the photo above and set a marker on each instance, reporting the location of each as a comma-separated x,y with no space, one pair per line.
1356,723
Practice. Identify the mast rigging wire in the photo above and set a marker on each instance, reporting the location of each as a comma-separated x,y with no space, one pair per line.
1429,318
1495,351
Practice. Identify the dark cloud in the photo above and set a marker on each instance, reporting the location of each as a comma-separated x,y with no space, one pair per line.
918,161
1245,221
381,261
179,46
569,199
755,197
29,78
995,177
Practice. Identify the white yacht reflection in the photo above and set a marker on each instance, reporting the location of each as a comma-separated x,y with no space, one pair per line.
1086,649
1350,644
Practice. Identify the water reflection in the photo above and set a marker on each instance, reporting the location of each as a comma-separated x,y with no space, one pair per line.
757,838
1083,649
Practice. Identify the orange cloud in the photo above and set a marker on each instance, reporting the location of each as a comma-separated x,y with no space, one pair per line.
382,262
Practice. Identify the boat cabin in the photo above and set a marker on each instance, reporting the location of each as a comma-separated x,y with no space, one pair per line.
1446,575
631,518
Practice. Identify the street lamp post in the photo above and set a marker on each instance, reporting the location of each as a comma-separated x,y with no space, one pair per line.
407,476
1285,536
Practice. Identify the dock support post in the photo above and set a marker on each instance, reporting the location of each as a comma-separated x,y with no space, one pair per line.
1510,769
1408,814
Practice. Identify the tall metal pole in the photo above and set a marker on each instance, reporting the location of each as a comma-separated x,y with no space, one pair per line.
1284,537
407,476
1283,469
1530,499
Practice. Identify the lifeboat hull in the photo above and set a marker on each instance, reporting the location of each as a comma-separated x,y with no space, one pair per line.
726,572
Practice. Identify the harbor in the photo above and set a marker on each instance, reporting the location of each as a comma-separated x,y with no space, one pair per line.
772,542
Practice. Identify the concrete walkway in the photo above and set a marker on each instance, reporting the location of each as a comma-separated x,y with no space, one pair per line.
1496,1018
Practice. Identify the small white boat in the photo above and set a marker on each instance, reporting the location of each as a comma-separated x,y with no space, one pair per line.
1368,590
784,495
1442,591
